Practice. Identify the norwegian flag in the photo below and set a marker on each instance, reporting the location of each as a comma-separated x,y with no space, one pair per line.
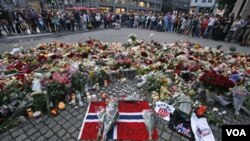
130,125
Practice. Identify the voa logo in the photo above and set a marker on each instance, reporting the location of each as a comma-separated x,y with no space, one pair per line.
236,132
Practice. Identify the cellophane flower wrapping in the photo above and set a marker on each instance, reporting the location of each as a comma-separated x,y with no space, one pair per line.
111,116
150,121
101,115
239,96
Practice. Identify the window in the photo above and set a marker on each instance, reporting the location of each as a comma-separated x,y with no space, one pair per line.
210,1
203,1
196,1
141,4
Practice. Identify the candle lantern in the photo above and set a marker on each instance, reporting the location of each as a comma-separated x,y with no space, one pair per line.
61,106
30,113
37,115
53,112
105,83
73,99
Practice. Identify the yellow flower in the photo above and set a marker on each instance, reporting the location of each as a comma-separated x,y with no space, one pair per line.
91,74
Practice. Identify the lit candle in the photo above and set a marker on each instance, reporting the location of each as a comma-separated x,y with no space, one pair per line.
53,112
30,112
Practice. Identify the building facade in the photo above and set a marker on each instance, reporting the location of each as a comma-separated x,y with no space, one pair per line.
181,5
241,8
118,6
178,5
201,6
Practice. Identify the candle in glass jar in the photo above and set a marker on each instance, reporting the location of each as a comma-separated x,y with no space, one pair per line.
53,112
105,83
30,112
89,98
94,97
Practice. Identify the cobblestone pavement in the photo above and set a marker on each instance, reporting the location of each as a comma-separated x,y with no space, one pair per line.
66,126
112,35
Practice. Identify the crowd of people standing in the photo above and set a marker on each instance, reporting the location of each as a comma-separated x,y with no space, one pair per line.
216,27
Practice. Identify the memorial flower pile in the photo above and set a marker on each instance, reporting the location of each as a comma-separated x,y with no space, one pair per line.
168,70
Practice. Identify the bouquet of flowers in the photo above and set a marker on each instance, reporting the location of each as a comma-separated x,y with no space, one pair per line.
78,81
214,80
101,115
150,121
110,118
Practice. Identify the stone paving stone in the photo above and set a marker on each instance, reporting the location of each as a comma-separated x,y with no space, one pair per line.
71,129
27,127
21,137
78,123
72,110
175,138
57,118
53,138
13,129
49,134
57,128
176,134
61,132
71,139
2,135
80,117
52,124
214,128
66,125
66,137
64,113
48,121
62,121
39,125
217,135
168,130
159,131
75,113
75,134
28,140
67,117
35,136
7,138
41,138
44,129
73,120
166,135
161,126
30,131
161,139
229,119
17,132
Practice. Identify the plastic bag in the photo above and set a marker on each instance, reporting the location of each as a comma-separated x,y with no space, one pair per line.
150,121
201,129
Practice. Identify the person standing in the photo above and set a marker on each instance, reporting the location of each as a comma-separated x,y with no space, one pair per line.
208,31
204,25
